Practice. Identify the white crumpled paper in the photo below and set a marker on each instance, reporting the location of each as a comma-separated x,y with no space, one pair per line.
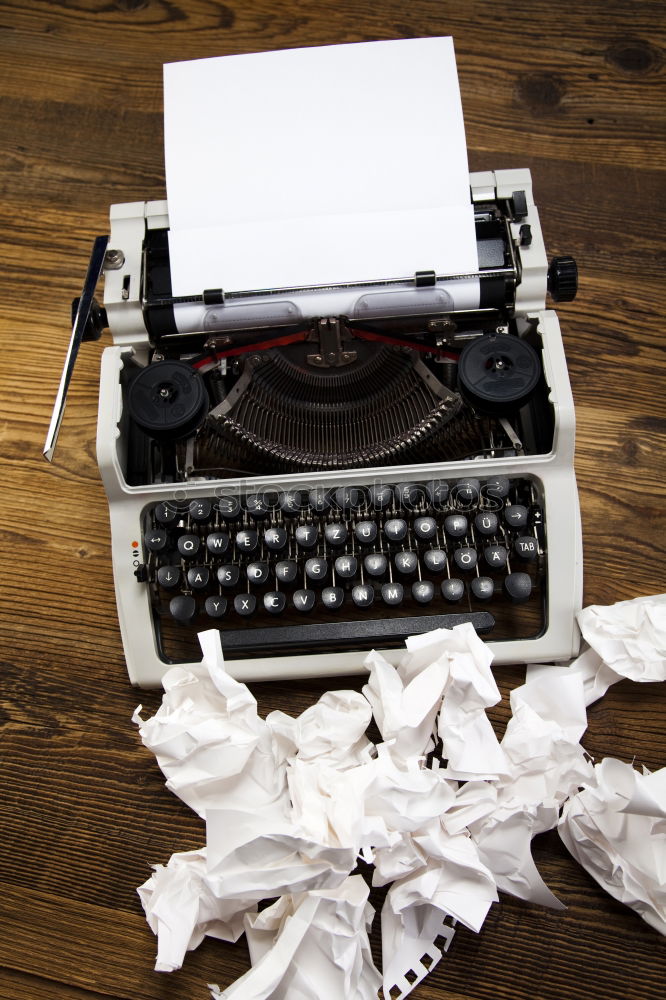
181,910
624,640
442,810
547,764
630,637
291,804
616,829
310,945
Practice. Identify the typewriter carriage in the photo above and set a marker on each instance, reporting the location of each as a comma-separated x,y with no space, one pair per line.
373,387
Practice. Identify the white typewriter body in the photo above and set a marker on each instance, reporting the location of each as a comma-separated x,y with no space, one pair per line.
552,468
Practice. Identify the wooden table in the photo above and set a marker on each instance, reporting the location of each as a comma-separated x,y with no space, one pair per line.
574,92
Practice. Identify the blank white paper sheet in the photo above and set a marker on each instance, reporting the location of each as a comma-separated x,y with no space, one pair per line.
317,166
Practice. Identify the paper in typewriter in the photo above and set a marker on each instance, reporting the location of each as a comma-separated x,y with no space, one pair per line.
317,166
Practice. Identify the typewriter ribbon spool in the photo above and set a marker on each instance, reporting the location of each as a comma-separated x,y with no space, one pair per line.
498,373
168,399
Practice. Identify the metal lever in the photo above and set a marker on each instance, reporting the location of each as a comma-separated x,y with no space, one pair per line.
78,329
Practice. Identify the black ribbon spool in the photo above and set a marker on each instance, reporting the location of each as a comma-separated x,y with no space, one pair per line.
498,373
168,399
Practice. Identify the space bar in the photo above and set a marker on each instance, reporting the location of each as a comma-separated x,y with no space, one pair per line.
340,635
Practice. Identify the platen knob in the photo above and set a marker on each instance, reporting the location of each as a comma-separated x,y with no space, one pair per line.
563,279
96,321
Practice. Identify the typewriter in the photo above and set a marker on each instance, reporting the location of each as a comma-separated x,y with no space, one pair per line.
316,483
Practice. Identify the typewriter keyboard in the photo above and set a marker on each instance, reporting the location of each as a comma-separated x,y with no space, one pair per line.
353,567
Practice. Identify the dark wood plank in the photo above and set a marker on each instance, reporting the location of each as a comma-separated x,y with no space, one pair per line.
100,950
577,95
22,986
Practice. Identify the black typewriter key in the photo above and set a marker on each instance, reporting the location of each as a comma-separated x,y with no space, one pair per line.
189,545
257,572
517,587
495,556
466,492
228,575
319,500
335,534
289,503
286,570
455,525
363,595
168,576
482,588
332,597
304,600
316,569
275,539
200,510
515,515
198,577
406,562
366,532
155,541
274,602
437,492
346,567
452,590
165,512
217,542
257,505
246,540
423,591
216,606
486,523
229,508
183,608
496,489
380,496
526,547
375,564
409,495
348,498
465,557
245,604
395,529
425,528
392,594
434,560
307,536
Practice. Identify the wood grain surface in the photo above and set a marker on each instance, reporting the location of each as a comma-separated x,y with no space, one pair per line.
573,91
